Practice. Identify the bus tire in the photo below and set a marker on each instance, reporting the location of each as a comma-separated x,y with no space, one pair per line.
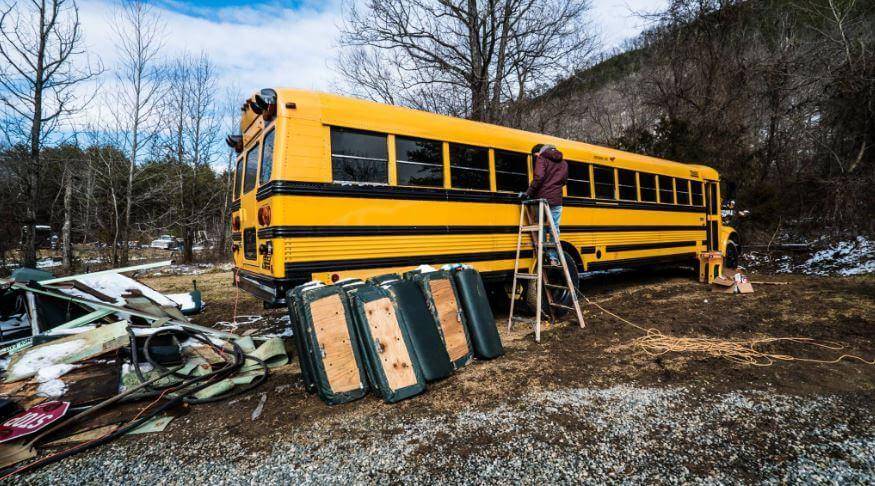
530,295
733,253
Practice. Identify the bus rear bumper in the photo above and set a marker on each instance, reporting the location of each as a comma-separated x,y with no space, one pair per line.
272,291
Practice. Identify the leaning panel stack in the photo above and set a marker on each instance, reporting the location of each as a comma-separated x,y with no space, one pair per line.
327,343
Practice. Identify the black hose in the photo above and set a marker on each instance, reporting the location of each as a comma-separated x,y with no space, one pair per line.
225,372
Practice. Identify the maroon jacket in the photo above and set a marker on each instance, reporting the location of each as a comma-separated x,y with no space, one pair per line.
551,174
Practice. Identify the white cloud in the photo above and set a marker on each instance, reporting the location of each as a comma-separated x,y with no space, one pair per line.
274,45
619,20
253,47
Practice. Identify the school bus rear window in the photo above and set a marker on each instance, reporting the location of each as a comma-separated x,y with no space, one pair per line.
237,175
266,158
251,169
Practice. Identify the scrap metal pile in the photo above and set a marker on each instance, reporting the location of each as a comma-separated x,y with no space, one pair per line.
392,334
91,357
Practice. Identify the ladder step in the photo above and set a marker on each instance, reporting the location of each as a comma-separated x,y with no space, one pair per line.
551,286
549,244
529,276
533,227
561,306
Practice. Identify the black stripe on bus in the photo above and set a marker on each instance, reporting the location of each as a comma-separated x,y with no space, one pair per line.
637,262
587,250
326,231
650,246
325,189
403,261
235,206
236,236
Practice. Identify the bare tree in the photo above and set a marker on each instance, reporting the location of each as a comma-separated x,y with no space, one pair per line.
461,57
39,42
138,33
231,115
191,143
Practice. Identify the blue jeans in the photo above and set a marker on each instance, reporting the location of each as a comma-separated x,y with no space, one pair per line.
556,214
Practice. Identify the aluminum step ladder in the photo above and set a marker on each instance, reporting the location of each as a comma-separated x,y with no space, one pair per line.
533,224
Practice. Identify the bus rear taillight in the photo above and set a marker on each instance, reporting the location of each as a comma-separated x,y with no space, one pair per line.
235,223
264,215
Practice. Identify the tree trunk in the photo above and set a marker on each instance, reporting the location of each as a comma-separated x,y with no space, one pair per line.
188,243
131,167
226,208
68,219
114,251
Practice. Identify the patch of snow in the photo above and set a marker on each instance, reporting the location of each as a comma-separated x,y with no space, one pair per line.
148,331
184,300
115,285
853,257
48,263
54,372
36,359
240,321
70,332
193,269
51,388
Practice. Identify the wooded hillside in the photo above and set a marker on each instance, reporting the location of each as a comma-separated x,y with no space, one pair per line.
778,95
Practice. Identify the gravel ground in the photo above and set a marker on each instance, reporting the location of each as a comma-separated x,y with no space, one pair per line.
568,435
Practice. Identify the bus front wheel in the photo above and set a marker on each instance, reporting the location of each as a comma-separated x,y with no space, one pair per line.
732,254
559,296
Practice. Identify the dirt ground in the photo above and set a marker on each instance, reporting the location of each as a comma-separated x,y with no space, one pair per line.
838,310
584,402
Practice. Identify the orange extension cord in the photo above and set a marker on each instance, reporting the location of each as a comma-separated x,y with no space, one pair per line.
655,343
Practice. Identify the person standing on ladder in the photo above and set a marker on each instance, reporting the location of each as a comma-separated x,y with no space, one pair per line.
550,176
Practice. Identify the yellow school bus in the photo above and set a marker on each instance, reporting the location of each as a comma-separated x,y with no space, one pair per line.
329,187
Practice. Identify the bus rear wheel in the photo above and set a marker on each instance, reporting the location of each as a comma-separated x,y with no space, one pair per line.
560,296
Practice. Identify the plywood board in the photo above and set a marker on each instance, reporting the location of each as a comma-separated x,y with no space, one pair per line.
391,348
448,314
335,346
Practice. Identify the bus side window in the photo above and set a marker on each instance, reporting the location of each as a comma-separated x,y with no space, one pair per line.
604,182
578,179
626,180
251,168
469,167
266,158
511,171
683,191
696,191
238,173
666,190
648,187
359,156
419,162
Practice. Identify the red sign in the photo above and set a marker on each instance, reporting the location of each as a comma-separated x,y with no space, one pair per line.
32,420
